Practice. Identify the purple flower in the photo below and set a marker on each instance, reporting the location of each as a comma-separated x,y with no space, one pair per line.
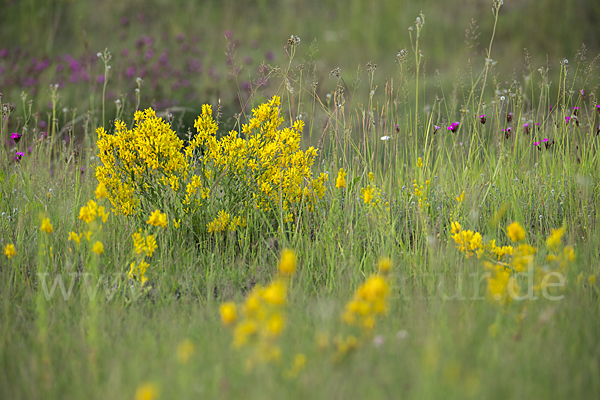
125,52
149,54
18,155
526,128
124,21
567,119
507,132
536,143
397,128
453,127
164,57
3,53
15,136
43,124
598,108
100,79
130,72
482,118
228,34
598,131
270,56
582,95
435,128
575,110
247,59
29,149
509,117
180,37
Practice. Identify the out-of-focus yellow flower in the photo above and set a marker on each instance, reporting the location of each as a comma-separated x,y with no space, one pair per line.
297,366
515,232
46,226
419,162
555,238
147,391
10,250
101,191
88,212
592,279
228,313
75,237
275,293
371,176
287,264
385,264
158,219
460,198
185,350
98,248
275,325
340,182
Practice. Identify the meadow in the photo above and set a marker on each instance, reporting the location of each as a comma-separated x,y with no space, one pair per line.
253,216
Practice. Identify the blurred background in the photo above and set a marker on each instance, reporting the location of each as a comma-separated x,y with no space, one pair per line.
191,52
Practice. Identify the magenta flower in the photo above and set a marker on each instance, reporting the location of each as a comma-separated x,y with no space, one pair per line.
526,128
397,128
575,110
509,117
567,119
435,129
18,156
507,132
598,108
482,118
582,92
598,131
15,136
453,127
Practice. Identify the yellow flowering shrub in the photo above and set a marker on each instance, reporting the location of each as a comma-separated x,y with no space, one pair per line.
262,167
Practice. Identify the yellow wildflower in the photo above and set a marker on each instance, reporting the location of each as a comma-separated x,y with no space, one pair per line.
555,237
385,264
75,237
287,265
101,191
228,313
158,219
340,182
275,293
592,279
371,176
275,325
46,226
515,232
88,212
147,391
367,194
10,250
98,248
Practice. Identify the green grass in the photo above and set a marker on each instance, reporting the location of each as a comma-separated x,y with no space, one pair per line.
443,337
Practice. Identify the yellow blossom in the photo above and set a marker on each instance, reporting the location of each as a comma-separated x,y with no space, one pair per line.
367,194
287,265
46,226
515,232
228,313
555,238
592,279
340,182
158,219
385,264
101,191
75,237
88,212
10,250
98,248
147,391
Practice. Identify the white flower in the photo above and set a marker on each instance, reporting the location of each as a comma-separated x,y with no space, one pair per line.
384,138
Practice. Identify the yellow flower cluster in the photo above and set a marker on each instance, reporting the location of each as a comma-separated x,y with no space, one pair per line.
421,192
10,250
340,182
262,316
265,168
223,221
157,219
467,242
134,160
369,302
94,216
46,226
505,263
